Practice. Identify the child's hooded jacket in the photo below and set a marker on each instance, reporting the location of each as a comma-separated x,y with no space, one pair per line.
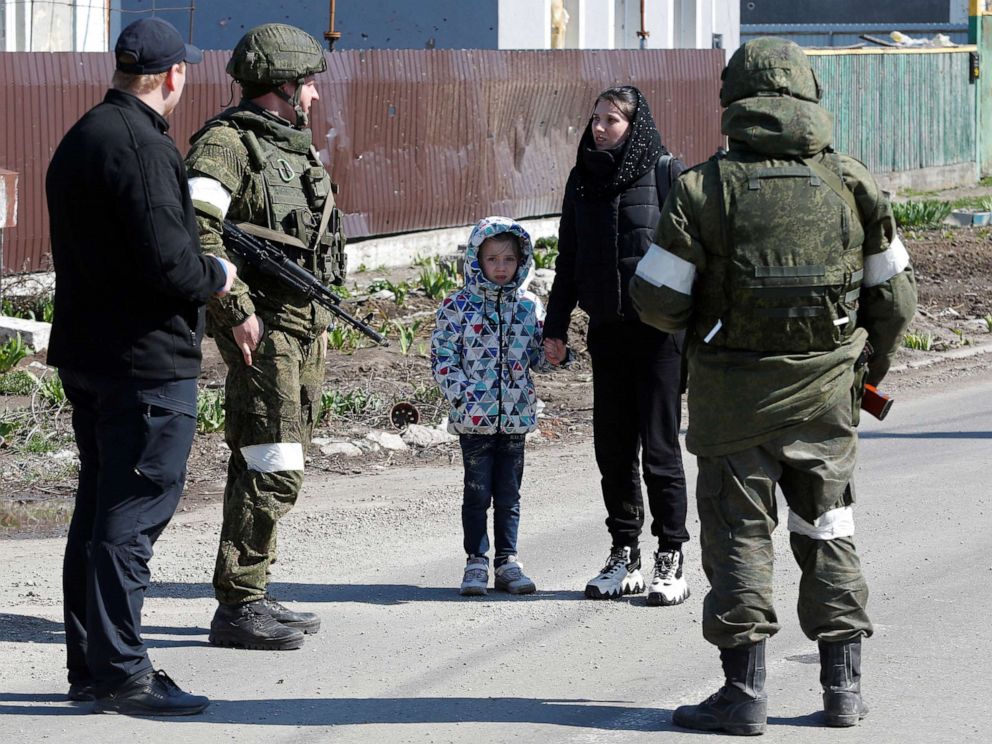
486,340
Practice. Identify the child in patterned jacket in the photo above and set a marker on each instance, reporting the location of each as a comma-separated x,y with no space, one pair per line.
487,339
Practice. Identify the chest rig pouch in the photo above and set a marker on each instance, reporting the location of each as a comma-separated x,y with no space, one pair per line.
792,271
300,210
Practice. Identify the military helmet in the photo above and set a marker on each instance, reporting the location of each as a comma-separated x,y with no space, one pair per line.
769,65
274,53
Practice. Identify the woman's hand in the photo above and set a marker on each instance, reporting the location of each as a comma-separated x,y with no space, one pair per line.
554,350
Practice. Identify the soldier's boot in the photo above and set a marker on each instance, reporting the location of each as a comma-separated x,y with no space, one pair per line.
308,622
250,625
840,676
740,707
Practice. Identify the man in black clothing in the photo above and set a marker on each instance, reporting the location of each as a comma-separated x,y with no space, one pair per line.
131,283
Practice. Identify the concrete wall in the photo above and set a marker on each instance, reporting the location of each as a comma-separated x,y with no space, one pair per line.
455,24
366,24
846,11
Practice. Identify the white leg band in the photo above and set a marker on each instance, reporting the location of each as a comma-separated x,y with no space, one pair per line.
274,458
829,525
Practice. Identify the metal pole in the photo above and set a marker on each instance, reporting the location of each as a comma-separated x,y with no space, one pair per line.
331,35
643,34
192,11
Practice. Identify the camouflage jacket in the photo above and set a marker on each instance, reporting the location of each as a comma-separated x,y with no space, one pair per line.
249,166
740,398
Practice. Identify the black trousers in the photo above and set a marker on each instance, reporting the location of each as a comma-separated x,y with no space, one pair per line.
134,438
637,412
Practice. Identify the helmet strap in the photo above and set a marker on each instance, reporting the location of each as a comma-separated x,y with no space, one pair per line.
302,120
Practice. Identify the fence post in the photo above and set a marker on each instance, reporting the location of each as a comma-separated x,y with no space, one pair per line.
8,212
980,33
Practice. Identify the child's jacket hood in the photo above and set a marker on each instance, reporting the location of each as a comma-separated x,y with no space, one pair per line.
475,279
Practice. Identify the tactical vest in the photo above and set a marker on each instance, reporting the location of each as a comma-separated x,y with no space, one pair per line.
788,275
299,200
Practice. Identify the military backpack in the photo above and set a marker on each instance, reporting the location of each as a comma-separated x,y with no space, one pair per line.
788,274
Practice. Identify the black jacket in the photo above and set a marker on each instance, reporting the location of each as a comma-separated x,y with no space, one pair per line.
600,241
130,280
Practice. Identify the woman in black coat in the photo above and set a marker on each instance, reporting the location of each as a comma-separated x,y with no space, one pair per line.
612,203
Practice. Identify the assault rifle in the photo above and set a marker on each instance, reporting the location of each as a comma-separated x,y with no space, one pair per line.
268,259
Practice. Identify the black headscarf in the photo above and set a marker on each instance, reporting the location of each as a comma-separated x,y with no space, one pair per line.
605,173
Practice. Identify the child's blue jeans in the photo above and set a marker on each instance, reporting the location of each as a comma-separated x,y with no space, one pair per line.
494,468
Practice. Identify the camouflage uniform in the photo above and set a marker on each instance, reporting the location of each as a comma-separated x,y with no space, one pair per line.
254,168
782,260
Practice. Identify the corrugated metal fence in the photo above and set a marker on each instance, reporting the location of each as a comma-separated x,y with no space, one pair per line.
417,139
427,139
900,110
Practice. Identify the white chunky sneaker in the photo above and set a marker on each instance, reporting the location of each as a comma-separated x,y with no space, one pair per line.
510,578
618,577
668,587
476,577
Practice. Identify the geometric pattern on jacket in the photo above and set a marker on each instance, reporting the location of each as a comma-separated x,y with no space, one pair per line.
486,340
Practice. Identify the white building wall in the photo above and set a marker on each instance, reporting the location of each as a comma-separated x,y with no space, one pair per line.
613,24
524,24
91,26
54,26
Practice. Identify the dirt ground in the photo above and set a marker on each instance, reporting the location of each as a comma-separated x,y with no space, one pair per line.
954,272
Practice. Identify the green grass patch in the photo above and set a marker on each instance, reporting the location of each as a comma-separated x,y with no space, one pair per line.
18,382
12,351
927,213
918,341
210,416
545,253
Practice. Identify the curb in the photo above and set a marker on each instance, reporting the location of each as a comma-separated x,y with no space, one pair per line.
945,356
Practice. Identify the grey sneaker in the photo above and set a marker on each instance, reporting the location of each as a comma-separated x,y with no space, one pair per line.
510,578
618,577
668,586
476,577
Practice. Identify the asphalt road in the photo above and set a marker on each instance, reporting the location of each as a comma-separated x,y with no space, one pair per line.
403,658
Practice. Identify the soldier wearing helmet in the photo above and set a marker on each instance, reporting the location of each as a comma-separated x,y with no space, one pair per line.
782,261
255,164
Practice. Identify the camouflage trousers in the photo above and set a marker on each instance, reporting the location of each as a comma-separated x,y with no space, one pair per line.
270,410
812,465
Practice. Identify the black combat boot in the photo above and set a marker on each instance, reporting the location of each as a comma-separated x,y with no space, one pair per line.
151,694
740,707
308,622
840,675
251,625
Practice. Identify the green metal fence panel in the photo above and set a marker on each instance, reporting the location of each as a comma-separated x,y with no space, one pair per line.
898,110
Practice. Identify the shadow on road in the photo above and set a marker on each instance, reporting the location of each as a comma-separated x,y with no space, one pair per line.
378,594
593,714
925,435
30,629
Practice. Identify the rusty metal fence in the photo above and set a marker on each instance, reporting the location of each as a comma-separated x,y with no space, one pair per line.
416,139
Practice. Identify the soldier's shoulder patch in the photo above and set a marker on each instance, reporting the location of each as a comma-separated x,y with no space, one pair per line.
221,155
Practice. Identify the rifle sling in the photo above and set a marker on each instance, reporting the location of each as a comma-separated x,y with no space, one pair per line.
273,236
325,217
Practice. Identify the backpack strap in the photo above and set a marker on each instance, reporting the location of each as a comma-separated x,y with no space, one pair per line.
663,177
836,184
